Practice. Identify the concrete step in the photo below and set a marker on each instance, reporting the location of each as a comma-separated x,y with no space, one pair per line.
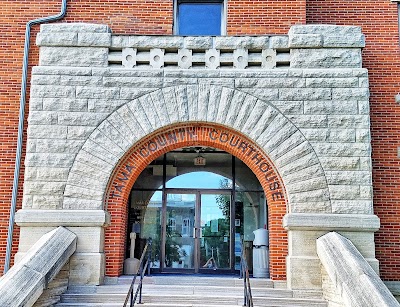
171,299
190,291
231,300
89,304
199,280
147,304
276,304
196,290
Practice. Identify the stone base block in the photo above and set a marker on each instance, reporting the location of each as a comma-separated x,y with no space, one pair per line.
29,236
131,266
374,263
303,273
303,242
87,269
90,239
394,287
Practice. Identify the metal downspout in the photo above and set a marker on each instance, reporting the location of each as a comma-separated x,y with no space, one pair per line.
21,125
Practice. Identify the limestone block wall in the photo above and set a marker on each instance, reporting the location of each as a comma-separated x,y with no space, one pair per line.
304,96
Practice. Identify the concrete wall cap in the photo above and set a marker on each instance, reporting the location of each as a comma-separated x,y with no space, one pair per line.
43,218
326,36
328,222
74,27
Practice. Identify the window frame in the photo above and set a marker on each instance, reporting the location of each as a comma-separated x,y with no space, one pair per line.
186,228
223,14
172,223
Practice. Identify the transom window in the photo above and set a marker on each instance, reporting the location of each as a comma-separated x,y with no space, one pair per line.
199,17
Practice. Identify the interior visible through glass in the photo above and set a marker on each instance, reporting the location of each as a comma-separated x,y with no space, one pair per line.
196,210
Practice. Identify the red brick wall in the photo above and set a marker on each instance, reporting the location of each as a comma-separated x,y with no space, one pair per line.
381,57
216,136
264,17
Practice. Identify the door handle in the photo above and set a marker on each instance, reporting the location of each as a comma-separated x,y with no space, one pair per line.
195,233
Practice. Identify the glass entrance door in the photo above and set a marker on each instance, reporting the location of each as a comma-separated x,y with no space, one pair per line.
180,244
197,231
196,215
215,223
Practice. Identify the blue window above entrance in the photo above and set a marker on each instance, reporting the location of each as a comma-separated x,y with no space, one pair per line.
199,17
200,180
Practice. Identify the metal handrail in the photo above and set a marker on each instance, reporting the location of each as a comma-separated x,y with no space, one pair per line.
146,255
244,273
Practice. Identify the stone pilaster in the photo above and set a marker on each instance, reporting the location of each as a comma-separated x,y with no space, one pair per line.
303,264
87,264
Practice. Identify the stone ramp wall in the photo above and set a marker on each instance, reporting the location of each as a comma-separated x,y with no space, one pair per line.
348,278
25,282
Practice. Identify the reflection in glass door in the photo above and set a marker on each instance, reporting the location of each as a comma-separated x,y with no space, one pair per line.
195,216
197,231
180,248
215,231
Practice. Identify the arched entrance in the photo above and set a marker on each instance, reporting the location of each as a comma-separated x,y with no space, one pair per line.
133,135
196,203
186,135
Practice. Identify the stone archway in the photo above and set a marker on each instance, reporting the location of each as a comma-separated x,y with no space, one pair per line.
193,134
284,144
243,115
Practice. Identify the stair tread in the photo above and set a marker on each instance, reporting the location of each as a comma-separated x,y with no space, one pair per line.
168,291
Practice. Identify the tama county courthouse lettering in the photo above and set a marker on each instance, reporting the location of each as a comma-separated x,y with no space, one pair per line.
192,134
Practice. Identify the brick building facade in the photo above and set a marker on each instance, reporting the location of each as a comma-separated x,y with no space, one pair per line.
268,20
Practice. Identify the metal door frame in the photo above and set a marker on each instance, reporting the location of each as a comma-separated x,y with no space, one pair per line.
197,227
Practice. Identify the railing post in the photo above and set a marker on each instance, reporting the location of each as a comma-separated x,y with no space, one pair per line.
149,251
241,267
141,281
141,270
241,273
244,285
